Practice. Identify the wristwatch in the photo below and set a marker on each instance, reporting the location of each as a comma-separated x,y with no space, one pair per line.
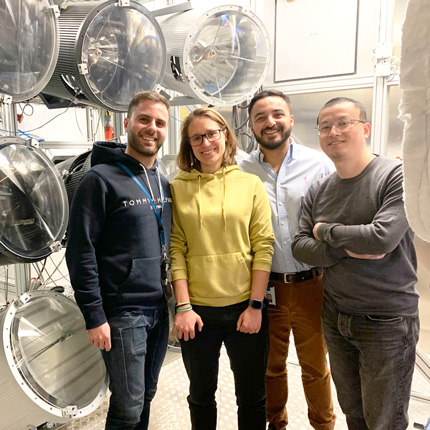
256,304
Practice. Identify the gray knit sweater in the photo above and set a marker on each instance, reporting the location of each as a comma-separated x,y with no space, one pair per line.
365,215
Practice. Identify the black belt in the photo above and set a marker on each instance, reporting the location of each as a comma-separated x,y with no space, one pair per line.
290,278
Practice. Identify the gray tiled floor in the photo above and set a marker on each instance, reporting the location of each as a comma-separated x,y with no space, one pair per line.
170,409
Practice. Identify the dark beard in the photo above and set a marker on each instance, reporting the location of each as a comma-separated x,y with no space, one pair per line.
276,143
133,141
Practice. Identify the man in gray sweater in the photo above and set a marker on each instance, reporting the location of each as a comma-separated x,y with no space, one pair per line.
354,225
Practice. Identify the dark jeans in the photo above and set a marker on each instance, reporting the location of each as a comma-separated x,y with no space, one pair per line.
372,361
139,343
248,359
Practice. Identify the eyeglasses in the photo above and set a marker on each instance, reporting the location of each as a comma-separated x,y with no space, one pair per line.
343,124
211,136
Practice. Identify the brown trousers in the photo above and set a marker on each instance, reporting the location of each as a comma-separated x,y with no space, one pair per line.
298,308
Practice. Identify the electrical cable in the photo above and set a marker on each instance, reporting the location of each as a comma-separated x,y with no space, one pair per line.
50,277
77,123
47,122
23,109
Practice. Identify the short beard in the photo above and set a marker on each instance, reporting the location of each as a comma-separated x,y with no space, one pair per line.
133,141
275,144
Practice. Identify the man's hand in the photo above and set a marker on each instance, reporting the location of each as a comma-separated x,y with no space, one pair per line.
249,321
100,336
185,325
314,230
365,256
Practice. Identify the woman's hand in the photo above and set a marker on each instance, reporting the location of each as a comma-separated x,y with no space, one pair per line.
249,321
185,325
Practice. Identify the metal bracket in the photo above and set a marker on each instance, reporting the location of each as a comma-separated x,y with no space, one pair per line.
5,99
383,69
56,10
384,55
65,174
69,411
33,143
24,298
55,247
122,3
83,68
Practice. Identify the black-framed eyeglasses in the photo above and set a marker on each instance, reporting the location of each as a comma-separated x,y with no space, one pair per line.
211,136
343,124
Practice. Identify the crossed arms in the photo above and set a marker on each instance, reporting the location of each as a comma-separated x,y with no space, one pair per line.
320,242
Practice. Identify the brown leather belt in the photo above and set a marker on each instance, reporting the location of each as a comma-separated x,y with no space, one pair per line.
291,278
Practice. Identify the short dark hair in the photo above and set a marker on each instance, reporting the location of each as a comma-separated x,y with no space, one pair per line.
146,95
268,93
185,159
339,100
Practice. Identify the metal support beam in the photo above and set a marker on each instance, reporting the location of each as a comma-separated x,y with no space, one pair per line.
171,147
8,115
383,52
118,124
49,144
184,101
22,278
90,123
181,7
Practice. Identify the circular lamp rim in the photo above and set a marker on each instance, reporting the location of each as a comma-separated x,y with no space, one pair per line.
41,84
192,78
61,413
80,41
44,252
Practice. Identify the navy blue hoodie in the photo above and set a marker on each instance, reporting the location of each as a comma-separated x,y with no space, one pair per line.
114,251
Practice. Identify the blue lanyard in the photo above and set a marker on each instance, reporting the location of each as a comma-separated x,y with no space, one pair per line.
157,215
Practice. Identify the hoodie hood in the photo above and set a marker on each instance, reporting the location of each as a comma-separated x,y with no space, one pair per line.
113,152
203,178
195,175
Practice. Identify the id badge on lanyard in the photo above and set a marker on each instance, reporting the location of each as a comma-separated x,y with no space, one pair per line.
166,272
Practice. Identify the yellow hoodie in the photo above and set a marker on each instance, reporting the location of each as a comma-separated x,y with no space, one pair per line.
221,231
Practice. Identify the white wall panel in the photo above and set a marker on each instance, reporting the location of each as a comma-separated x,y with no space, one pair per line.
311,41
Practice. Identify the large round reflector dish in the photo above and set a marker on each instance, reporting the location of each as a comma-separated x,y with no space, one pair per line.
33,203
29,46
220,57
49,371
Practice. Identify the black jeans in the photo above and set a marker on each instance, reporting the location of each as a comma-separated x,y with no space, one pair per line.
372,361
248,360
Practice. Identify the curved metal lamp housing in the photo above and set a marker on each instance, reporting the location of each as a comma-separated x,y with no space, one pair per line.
109,51
220,57
29,47
33,203
49,372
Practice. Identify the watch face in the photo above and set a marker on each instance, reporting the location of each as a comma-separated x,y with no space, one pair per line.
256,304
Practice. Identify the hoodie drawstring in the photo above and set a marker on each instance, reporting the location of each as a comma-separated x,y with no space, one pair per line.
199,205
224,215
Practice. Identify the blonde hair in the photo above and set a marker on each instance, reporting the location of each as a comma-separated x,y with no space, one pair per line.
186,159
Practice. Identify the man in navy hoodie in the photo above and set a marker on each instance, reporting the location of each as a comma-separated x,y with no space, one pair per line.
118,233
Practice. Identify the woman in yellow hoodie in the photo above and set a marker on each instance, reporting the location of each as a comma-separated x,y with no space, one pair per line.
221,251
